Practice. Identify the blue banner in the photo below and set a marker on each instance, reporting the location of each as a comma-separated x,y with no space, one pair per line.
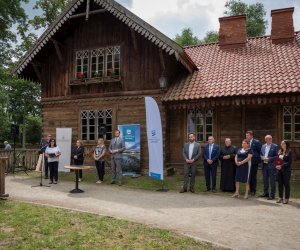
131,134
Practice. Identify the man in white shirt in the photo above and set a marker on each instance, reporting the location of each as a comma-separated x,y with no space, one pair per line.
116,148
268,153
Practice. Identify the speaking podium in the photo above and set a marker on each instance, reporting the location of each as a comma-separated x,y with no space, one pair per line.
3,163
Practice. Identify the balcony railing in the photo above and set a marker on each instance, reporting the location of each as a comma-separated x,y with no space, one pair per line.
96,80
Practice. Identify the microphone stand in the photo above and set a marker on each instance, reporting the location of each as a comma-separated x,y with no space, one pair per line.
41,181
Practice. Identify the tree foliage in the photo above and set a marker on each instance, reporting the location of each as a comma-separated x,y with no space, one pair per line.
211,37
186,38
51,9
12,15
256,24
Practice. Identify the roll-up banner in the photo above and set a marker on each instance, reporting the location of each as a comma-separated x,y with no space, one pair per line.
63,141
130,133
155,140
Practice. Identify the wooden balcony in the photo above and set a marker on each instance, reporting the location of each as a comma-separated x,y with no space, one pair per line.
96,80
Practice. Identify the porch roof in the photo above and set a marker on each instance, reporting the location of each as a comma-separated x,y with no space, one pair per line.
259,70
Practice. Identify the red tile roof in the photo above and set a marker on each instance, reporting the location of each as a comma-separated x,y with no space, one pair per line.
260,68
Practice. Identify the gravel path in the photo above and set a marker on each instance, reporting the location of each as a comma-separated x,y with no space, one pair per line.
234,223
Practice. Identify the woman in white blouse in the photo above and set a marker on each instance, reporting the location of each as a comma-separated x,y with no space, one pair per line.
53,153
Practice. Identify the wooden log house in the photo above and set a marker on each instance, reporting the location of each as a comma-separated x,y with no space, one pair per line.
98,61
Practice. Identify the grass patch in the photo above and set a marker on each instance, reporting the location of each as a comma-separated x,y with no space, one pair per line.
26,226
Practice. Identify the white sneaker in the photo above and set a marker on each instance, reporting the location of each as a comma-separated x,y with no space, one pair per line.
79,179
98,181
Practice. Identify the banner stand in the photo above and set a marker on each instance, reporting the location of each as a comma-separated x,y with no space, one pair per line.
163,189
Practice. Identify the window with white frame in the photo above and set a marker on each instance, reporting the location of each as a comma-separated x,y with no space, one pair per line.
93,120
98,62
200,122
82,64
291,123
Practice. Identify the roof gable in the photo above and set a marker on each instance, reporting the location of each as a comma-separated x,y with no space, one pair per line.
121,13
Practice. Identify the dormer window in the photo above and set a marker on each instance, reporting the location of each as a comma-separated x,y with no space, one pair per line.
100,62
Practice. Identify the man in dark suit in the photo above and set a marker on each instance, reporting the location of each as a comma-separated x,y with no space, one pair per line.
191,153
116,148
211,162
255,145
268,153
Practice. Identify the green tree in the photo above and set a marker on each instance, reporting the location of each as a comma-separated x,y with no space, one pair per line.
11,15
211,37
51,9
186,38
34,129
256,23
22,100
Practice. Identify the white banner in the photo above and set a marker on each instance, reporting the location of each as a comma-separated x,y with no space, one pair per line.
63,141
155,140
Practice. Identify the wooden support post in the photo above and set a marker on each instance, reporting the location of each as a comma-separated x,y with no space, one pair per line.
134,42
87,10
37,71
57,50
3,162
93,12
162,60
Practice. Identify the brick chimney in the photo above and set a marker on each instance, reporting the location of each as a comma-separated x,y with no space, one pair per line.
232,33
282,25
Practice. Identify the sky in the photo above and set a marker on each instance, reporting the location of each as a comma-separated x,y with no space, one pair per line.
172,16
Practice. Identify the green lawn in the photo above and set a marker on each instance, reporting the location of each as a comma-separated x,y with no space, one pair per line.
175,182
171,182
26,226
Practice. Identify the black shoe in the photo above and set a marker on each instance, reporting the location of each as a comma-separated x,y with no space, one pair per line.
252,193
112,182
270,198
263,195
192,190
208,189
182,190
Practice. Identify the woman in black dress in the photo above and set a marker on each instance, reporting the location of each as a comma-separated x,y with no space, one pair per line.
284,171
242,160
78,156
227,167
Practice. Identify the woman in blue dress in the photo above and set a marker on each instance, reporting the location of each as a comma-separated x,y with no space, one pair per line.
243,166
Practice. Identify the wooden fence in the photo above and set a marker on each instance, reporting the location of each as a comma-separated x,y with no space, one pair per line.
24,159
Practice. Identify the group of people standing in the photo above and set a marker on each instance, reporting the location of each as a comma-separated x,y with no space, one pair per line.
240,166
52,152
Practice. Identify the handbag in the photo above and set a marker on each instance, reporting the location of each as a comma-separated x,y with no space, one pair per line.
277,161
